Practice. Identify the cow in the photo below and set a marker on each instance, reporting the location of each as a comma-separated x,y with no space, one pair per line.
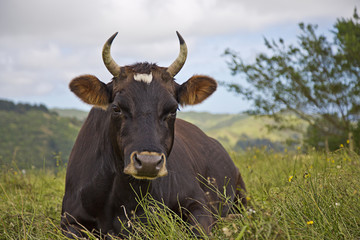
132,143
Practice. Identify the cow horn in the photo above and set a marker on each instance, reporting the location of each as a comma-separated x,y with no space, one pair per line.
176,66
109,62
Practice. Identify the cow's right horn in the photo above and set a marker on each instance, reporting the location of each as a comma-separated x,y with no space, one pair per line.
109,62
176,66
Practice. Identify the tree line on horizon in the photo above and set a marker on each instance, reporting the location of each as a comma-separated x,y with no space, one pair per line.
22,107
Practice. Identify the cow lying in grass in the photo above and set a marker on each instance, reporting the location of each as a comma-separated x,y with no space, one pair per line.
131,143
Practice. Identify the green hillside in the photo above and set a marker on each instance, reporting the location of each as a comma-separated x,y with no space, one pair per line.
238,131
71,113
33,136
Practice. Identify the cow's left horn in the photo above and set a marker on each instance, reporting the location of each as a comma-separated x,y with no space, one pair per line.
176,66
109,62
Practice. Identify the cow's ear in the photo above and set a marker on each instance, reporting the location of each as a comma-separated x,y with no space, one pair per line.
196,89
91,90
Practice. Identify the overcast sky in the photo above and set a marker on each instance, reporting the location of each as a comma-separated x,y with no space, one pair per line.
46,43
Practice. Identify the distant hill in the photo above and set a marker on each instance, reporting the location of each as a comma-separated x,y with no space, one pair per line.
239,131
234,131
71,113
33,135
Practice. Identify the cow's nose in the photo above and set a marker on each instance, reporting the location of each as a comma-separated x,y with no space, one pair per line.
147,165
147,162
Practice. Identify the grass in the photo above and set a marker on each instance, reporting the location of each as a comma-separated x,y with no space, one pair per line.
291,196
296,196
30,204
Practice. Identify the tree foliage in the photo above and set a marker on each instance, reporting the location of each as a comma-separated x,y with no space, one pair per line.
316,78
22,107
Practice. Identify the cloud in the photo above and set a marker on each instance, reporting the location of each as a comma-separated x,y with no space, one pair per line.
82,21
44,43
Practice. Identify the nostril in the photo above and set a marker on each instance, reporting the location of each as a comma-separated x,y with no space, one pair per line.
137,161
159,163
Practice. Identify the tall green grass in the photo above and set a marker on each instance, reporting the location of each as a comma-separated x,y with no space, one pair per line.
30,204
291,196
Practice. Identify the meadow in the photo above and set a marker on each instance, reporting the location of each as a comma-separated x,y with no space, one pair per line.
291,195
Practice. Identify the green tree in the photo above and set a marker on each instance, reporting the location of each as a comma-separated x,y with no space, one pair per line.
316,79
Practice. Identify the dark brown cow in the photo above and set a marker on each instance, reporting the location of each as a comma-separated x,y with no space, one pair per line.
132,143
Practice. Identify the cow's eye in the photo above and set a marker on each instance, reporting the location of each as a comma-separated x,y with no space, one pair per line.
171,114
116,109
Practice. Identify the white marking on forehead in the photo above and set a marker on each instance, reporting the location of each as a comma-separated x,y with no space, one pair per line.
143,77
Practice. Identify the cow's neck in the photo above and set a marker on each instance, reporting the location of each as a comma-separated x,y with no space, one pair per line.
129,190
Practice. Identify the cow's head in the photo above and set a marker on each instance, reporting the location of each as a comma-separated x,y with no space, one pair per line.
141,103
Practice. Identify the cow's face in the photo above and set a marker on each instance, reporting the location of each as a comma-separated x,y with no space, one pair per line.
141,103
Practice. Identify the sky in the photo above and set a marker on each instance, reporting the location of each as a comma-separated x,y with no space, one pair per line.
46,43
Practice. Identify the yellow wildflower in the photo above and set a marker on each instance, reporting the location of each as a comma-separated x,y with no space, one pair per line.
290,178
348,141
341,145
310,222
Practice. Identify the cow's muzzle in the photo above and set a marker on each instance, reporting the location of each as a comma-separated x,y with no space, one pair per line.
146,165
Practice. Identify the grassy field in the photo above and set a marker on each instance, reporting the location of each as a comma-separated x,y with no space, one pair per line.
291,196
